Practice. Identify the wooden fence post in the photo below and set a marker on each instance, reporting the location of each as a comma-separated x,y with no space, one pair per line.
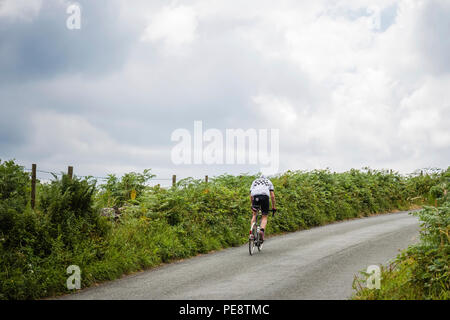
33,185
206,179
70,172
174,180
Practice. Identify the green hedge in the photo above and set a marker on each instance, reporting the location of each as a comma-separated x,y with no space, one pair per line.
423,270
161,225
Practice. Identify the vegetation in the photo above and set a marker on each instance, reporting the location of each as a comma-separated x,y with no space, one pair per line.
421,271
163,224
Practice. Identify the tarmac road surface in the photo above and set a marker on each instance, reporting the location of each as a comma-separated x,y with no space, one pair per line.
319,263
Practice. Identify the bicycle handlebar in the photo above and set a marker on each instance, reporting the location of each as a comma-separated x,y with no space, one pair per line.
273,211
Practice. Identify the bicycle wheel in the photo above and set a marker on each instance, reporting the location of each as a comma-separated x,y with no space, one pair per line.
260,244
251,240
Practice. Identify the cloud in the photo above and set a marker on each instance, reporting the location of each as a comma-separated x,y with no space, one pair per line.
44,47
267,105
348,83
427,126
88,147
24,10
432,24
174,26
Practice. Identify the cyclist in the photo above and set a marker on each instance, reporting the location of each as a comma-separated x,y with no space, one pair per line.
260,191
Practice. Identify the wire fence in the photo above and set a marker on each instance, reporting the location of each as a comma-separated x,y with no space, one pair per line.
60,174
47,176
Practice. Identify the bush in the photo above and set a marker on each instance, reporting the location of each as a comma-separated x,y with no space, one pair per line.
69,205
421,271
37,246
164,224
115,192
14,197
16,223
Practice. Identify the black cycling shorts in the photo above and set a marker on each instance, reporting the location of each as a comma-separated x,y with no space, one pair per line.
261,201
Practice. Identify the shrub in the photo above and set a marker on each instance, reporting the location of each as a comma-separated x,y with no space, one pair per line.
37,246
115,192
69,205
14,185
165,224
421,271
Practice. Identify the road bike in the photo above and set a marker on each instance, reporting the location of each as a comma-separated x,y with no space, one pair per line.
254,239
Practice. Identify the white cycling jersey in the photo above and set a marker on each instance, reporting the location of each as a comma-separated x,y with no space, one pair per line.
261,186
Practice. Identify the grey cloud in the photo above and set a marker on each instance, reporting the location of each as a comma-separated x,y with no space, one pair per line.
44,47
433,32
135,95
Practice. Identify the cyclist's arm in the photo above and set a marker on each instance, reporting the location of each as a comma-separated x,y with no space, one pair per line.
272,197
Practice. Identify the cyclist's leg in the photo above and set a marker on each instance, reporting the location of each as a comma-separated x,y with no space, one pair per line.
254,213
263,221
265,212
263,226
253,219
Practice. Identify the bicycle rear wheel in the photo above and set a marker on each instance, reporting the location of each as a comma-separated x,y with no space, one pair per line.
252,239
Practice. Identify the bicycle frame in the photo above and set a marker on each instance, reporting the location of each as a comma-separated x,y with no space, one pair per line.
254,239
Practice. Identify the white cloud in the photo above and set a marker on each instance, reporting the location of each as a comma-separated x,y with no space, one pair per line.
174,26
366,79
20,9
427,121
270,106
92,149
343,92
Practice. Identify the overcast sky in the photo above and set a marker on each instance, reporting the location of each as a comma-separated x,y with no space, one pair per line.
348,83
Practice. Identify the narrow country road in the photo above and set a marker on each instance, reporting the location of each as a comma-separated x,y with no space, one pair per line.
319,263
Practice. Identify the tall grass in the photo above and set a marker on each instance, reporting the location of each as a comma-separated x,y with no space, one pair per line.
423,270
160,225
